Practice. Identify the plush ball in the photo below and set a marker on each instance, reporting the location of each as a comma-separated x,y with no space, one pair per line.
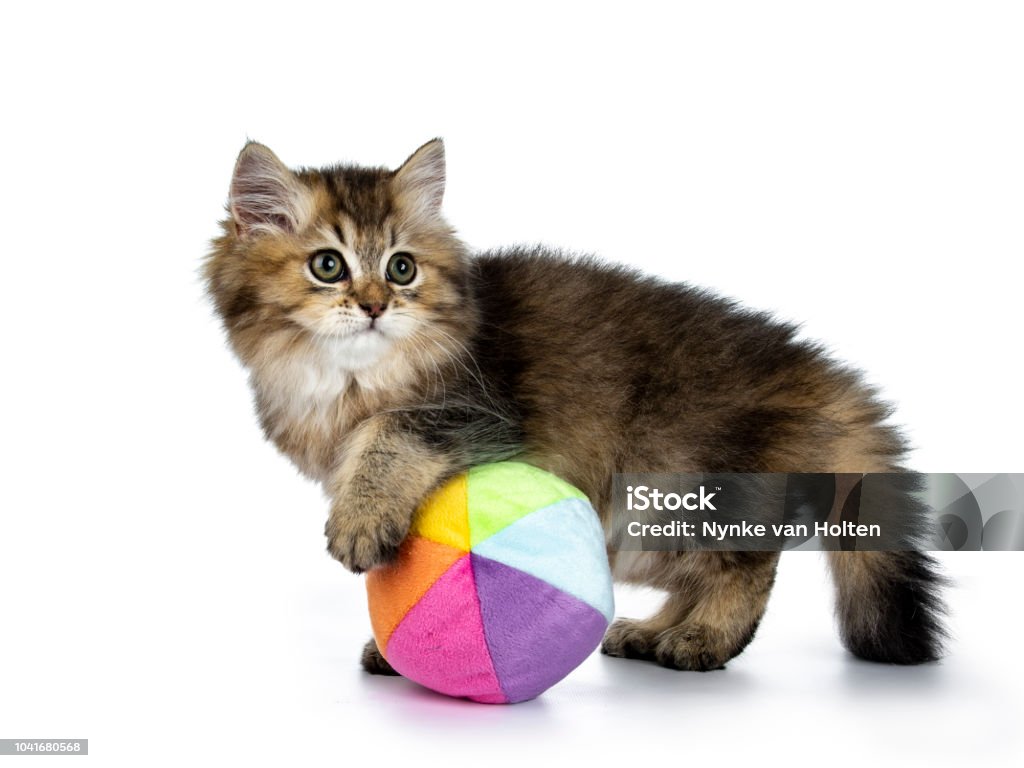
501,589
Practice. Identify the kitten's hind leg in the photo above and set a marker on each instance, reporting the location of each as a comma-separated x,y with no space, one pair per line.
373,662
712,612
638,638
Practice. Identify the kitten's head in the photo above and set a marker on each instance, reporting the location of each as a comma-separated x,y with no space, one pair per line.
355,262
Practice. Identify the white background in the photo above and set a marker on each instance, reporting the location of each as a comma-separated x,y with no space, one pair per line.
164,589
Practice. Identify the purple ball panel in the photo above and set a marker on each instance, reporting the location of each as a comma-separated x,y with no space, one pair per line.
536,633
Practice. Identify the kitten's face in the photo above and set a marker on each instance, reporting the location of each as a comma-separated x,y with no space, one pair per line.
357,262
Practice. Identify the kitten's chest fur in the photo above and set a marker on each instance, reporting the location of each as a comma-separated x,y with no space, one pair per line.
309,400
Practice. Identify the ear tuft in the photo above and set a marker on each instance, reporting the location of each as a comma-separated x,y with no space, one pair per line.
419,183
265,195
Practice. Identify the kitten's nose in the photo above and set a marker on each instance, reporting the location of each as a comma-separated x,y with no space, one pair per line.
374,310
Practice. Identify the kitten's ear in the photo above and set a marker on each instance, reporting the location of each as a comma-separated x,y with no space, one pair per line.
265,196
419,183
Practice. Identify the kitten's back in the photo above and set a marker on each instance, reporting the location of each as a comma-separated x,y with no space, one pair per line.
675,376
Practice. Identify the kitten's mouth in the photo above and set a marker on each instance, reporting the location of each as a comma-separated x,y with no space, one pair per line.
373,330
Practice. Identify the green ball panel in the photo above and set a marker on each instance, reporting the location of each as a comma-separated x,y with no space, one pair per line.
500,494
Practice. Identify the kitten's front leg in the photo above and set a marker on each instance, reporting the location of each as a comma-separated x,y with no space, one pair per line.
384,472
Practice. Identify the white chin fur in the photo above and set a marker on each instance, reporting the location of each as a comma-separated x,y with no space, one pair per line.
359,351
309,381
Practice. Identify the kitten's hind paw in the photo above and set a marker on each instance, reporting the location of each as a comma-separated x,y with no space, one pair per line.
629,639
373,662
691,647
683,646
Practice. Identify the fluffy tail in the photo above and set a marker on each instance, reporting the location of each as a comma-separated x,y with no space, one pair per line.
888,605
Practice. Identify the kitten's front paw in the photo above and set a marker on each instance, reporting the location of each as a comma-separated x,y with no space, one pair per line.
364,541
374,662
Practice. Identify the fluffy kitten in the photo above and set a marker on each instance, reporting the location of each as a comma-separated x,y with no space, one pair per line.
385,358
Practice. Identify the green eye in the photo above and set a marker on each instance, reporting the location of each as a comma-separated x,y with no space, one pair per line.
328,266
401,269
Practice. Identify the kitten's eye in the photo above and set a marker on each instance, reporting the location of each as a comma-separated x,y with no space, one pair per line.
401,268
328,266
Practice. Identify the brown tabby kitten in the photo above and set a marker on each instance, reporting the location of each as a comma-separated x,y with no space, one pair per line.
385,358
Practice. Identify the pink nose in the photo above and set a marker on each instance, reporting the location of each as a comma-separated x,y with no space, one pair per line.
374,310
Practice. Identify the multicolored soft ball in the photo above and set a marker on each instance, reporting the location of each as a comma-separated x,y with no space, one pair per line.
501,589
